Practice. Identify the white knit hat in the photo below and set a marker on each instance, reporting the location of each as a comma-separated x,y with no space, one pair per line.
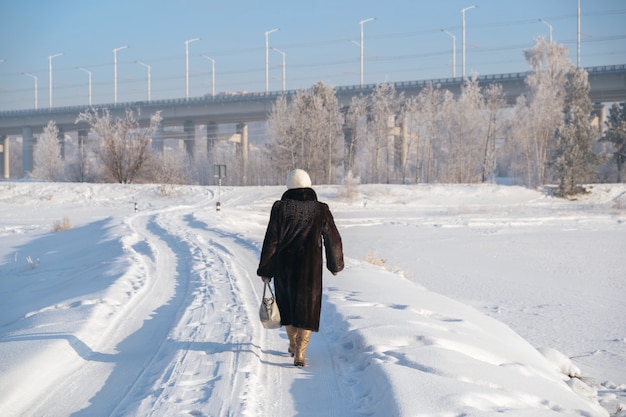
298,178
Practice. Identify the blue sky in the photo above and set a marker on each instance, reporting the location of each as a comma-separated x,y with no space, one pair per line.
405,42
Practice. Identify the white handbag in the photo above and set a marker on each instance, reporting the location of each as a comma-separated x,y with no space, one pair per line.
268,311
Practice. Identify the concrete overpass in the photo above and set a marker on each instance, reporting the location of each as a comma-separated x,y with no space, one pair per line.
607,84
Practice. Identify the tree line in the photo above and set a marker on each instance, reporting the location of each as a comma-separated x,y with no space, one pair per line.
546,137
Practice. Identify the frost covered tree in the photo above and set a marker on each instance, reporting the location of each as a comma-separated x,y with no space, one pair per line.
424,121
356,131
282,149
575,161
48,164
494,103
170,167
125,145
385,104
431,102
81,167
328,123
411,124
616,134
460,151
306,133
540,114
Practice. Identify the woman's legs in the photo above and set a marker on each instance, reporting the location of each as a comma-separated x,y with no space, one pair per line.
302,341
292,332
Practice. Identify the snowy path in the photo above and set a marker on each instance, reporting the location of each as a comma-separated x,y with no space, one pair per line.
189,335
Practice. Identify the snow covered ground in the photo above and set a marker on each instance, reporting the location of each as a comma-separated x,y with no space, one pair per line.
471,300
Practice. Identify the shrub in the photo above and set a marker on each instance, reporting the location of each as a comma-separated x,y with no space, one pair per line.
349,188
62,225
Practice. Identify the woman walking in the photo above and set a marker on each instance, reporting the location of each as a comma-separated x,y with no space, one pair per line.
292,254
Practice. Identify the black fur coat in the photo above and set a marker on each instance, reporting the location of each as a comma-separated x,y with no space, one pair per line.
292,255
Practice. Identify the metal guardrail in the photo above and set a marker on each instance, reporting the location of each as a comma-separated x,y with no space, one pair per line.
249,96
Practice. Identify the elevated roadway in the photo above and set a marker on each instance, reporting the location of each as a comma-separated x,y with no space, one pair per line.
607,84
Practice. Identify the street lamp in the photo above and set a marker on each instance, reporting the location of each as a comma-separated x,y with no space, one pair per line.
267,58
463,14
283,54
187,42
34,78
578,36
88,72
147,66
212,74
453,52
115,72
549,26
362,22
50,72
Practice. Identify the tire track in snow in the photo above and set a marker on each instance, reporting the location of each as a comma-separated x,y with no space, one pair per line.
205,365
135,332
280,388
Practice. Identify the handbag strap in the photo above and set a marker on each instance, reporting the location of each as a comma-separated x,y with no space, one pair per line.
267,285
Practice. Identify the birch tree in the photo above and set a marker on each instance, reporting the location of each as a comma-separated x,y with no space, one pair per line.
356,132
48,164
430,105
460,155
327,122
423,117
384,108
306,132
544,113
494,102
281,150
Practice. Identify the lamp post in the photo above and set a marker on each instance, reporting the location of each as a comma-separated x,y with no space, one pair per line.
50,73
463,14
283,54
34,78
187,42
453,52
362,22
212,74
115,72
89,73
147,66
267,59
549,26
578,36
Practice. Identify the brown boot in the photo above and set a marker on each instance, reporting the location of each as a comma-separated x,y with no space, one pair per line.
302,341
292,332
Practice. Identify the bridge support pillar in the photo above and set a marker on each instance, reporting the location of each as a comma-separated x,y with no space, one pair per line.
350,149
82,138
4,161
404,146
211,138
190,138
242,129
61,139
158,139
599,113
28,141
